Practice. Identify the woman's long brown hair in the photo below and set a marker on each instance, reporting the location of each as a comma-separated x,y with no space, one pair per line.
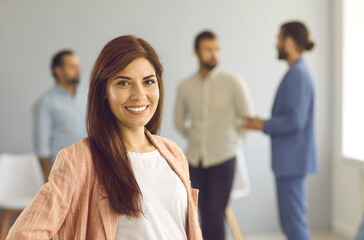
111,162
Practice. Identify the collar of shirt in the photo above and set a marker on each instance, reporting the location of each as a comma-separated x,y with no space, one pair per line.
63,91
297,62
212,74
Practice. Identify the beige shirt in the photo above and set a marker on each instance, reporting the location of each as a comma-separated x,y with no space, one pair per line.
208,113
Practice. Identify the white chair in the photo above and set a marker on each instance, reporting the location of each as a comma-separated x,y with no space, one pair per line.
21,178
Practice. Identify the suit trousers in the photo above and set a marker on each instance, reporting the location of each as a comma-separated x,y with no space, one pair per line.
215,184
292,207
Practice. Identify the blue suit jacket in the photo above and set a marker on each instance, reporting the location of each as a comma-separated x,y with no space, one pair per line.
291,127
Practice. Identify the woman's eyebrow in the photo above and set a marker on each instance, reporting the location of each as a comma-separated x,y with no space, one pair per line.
148,77
123,77
128,78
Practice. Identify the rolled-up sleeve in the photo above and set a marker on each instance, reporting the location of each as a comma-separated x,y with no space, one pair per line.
180,112
243,101
42,129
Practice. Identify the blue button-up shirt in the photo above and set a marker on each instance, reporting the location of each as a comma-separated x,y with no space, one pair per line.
60,120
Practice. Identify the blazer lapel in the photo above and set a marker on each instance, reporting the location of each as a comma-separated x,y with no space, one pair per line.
108,217
172,161
278,95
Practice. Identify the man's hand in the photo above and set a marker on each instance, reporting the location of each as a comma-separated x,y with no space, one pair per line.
253,123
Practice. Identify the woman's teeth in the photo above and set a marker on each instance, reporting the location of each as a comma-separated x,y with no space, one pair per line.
136,109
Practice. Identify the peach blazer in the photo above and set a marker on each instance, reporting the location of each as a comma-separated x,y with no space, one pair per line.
74,205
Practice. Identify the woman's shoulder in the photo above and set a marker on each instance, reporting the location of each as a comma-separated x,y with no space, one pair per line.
171,151
77,153
159,140
166,145
79,146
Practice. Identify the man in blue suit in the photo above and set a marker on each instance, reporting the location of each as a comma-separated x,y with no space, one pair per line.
291,129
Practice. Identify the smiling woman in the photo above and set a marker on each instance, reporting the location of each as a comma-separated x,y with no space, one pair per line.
118,82
123,181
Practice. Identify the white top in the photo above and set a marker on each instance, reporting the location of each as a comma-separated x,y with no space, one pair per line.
164,201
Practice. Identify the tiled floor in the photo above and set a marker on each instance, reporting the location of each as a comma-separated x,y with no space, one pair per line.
278,236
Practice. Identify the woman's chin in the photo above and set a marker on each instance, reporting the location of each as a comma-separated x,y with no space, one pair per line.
134,125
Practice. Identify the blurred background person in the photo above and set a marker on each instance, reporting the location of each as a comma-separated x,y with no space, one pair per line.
291,129
207,108
59,115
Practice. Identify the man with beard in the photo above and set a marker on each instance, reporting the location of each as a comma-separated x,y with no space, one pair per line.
60,112
208,108
291,129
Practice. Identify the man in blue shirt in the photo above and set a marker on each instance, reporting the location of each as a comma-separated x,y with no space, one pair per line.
60,112
291,129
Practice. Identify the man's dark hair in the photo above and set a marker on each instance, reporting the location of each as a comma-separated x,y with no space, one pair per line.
203,35
299,33
57,60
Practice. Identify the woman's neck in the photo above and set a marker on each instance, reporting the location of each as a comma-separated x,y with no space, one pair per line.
135,140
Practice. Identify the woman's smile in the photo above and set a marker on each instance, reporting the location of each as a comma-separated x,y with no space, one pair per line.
137,109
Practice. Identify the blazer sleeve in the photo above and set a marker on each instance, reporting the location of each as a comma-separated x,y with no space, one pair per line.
42,218
294,112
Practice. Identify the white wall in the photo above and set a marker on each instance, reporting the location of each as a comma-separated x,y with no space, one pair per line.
32,31
348,175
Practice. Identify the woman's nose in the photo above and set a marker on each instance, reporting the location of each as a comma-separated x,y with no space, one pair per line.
138,92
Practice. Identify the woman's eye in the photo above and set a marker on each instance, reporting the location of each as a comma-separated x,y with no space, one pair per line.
122,83
150,82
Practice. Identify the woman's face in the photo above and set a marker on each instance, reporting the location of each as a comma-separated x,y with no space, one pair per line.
133,94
